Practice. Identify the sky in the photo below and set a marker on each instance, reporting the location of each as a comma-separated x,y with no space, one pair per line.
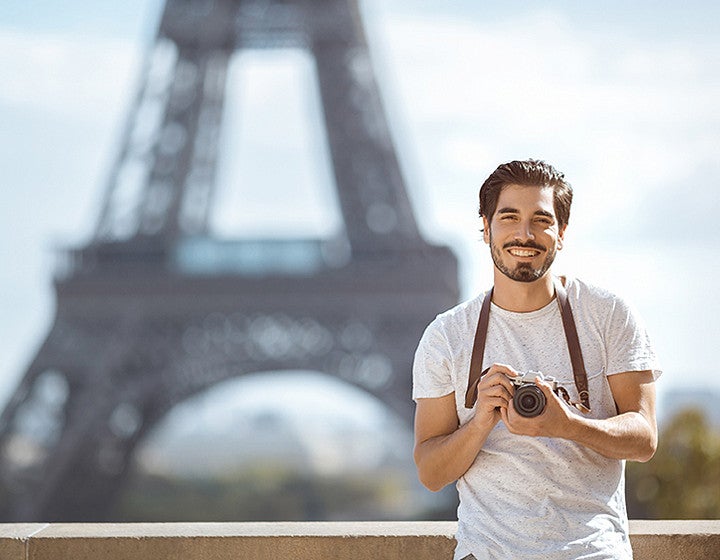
620,96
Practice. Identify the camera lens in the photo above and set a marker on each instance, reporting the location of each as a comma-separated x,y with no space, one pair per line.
529,400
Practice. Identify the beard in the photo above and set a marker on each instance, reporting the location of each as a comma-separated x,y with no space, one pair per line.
523,271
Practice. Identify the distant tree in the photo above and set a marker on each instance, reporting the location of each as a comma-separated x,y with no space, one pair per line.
263,491
682,481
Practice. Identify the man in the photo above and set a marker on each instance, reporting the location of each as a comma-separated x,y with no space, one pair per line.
549,486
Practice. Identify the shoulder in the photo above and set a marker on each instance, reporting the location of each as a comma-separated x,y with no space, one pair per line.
590,295
462,315
581,289
457,321
606,307
462,310
442,347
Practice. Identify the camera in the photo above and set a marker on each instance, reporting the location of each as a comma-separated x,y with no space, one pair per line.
529,401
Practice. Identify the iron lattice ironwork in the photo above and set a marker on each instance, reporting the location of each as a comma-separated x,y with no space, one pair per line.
154,310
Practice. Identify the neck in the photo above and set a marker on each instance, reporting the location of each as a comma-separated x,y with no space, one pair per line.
522,297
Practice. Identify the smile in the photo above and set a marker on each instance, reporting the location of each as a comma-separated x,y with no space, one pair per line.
522,252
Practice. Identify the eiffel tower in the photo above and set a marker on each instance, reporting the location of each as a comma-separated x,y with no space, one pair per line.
154,309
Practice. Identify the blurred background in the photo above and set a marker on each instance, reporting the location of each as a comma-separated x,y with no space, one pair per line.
620,96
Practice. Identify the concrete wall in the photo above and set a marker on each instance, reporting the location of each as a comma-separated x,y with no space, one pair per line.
656,540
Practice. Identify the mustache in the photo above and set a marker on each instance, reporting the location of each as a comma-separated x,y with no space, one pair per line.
526,245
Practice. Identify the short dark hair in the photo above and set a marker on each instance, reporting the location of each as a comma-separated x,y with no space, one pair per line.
530,173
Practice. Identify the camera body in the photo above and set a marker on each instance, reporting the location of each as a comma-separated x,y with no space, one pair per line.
529,401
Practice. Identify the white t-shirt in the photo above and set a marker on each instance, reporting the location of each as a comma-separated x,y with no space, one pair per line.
535,497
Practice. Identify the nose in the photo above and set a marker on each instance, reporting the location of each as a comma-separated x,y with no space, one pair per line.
524,231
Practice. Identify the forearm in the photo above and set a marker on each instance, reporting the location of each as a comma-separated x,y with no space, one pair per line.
444,450
442,460
628,436
631,434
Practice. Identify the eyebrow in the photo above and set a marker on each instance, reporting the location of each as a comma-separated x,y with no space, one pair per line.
509,210
545,213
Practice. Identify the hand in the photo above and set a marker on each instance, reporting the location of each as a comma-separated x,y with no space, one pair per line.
494,393
552,422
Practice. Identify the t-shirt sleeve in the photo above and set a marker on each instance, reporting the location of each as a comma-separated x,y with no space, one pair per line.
628,343
432,367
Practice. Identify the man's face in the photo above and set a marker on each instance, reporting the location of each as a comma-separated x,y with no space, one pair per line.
523,234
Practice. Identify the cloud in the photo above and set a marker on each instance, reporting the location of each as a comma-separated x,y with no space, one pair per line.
69,76
61,101
685,213
624,115
631,117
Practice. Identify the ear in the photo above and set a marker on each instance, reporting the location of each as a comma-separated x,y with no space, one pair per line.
561,237
486,230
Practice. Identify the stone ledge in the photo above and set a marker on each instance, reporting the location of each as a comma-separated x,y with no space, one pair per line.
686,539
655,540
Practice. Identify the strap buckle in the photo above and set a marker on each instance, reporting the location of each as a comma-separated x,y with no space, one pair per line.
581,406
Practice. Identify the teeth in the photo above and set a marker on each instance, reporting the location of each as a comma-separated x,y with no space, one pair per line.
523,252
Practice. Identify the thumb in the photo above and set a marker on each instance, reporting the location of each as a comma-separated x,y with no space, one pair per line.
545,387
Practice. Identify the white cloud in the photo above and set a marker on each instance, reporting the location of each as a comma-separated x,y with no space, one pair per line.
624,118
628,117
74,77
61,101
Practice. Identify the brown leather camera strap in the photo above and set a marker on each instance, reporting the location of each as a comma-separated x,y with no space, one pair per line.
576,357
573,342
478,351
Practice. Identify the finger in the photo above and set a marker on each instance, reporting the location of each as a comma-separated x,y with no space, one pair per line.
545,387
503,369
498,390
494,403
504,415
497,379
